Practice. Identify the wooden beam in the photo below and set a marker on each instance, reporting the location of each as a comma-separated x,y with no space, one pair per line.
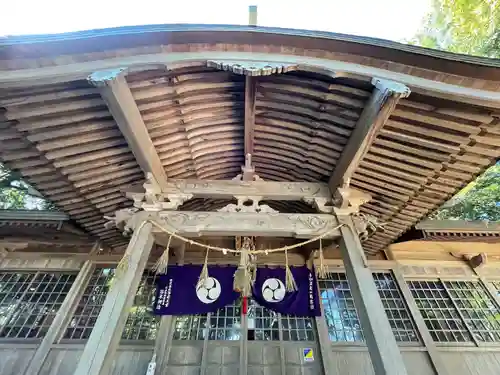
116,93
78,71
220,189
99,352
384,352
195,224
250,91
379,107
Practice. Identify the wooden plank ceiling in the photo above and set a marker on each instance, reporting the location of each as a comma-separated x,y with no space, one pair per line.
426,152
64,141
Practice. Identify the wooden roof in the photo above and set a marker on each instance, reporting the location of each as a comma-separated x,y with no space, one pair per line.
459,230
41,231
56,129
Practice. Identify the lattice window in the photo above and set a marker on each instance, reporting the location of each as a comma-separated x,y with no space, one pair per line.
29,301
478,310
340,313
439,312
395,307
263,324
224,324
90,304
140,325
190,327
296,328
342,317
496,285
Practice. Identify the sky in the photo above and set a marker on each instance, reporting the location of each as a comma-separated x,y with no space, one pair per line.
387,19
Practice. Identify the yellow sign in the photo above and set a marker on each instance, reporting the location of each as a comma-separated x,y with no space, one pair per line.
308,355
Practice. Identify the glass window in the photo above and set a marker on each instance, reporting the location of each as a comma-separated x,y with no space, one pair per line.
141,323
90,304
297,328
342,317
395,307
190,327
479,311
496,285
340,313
263,324
439,313
224,324
29,301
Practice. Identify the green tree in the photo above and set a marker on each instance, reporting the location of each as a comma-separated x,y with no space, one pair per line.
12,199
17,194
480,200
469,27
462,26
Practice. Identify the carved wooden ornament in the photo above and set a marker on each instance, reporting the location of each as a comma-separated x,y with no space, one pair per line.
252,68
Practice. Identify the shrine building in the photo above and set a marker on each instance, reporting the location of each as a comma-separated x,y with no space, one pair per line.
244,200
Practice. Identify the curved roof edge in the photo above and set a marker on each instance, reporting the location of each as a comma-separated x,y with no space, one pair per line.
36,46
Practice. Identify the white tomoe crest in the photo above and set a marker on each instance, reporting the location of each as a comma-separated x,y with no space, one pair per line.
209,291
273,290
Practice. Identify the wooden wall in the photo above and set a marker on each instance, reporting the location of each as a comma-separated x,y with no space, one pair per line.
128,361
471,363
62,361
184,358
356,361
14,359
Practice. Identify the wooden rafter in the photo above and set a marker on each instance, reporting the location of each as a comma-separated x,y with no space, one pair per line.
250,91
116,93
379,107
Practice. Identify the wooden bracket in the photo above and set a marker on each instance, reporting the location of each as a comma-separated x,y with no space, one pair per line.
350,200
251,68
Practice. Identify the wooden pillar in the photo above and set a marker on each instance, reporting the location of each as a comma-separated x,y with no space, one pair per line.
61,319
325,346
384,352
99,353
163,343
244,345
